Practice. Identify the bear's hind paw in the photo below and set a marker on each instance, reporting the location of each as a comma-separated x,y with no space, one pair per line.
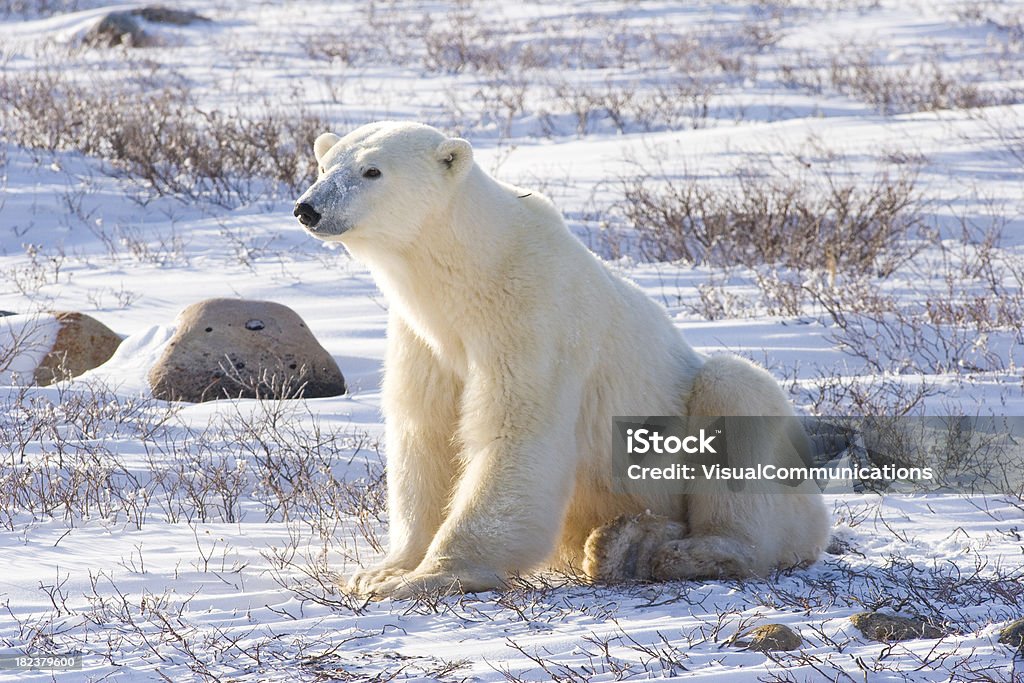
624,548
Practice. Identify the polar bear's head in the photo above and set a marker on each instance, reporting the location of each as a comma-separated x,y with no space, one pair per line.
382,182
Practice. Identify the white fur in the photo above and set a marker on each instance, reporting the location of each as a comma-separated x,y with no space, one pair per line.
510,349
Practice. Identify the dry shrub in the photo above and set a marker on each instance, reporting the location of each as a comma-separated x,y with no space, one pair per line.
1006,127
29,9
556,63
924,87
843,227
862,258
272,458
161,139
385,36
857,72
460,42
679,102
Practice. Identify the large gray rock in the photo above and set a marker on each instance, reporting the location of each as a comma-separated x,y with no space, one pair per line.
234,348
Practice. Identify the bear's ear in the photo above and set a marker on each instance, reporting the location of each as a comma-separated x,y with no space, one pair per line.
455,155
324,143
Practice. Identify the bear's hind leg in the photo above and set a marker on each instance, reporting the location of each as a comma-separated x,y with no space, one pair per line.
727,533
736,533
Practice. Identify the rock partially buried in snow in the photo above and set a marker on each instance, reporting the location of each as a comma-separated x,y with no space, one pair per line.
886,628
82,343
234,348
771,638
123,27
50,347
160,14
117,28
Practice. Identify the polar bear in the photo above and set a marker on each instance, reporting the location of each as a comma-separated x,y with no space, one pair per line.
510,347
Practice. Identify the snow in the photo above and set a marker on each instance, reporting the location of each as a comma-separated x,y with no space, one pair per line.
185,582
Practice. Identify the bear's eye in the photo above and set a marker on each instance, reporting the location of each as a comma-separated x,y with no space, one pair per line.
371,173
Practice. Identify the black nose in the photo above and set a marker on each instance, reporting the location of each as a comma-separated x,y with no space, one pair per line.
306,214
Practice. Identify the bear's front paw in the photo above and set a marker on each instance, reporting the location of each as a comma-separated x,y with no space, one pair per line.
419,584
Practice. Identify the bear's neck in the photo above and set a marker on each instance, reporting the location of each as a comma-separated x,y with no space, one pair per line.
440,283
455,248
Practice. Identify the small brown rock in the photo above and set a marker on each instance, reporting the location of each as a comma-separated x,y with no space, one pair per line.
1013,634
82,343
234,348
889,627
772,638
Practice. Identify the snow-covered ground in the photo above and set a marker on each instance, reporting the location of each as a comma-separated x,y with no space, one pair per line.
160,540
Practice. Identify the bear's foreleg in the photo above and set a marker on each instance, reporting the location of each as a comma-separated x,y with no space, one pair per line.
518,472
421,403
